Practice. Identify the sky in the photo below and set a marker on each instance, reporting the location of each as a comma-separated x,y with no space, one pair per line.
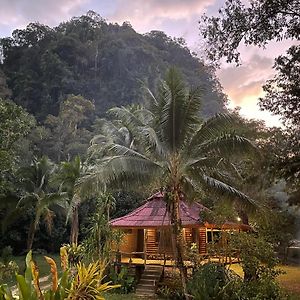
177,18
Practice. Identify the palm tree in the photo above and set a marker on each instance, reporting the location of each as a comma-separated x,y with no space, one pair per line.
37,194
173,150
68,175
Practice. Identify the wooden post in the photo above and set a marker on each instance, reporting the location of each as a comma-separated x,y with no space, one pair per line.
145,247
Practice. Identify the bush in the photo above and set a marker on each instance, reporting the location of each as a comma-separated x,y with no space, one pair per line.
127,283
6,254
171,287
8,267
213,281
86,283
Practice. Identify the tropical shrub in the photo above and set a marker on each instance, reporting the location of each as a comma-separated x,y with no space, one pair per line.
213,281
123,279
85,283
171,287
8,267
75,253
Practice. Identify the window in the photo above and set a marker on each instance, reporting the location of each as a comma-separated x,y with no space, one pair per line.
213,236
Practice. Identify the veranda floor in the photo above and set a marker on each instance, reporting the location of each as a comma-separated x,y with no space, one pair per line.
171,263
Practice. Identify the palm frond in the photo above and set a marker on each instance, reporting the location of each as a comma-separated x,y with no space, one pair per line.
213,127
229,191
117,172
227,145
173,96
191,112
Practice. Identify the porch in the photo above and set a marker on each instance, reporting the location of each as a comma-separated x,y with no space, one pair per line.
130,259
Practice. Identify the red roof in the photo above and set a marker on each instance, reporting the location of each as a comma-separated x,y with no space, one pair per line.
154,214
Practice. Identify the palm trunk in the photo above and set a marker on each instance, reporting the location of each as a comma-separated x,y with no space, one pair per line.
31,233
244,217
74,226
178,238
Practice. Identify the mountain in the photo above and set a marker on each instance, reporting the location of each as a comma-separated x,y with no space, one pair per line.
104,62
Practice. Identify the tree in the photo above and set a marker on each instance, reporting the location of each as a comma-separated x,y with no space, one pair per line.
37,195
174,151
283,91
15,123
98,60
5,92
68,175
257,24
67,138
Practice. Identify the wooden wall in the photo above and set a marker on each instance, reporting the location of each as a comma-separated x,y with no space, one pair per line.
202,241
129,243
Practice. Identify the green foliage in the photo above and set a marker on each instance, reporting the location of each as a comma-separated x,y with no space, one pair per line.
37,194
171,150
127,282
99,234
102,61
282,91
212,281
6,254
15,123
171,287
256,254
8,267
258,23
66,136
5,92
86,283
75,253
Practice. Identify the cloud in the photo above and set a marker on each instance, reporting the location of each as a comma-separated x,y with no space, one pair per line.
244,82
18,13
152,13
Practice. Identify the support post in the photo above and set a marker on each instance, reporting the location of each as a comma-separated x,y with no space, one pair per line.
145,247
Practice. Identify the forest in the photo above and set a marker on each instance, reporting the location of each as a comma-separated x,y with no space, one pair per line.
95,117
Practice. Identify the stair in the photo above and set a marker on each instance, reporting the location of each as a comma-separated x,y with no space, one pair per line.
146,288
151,244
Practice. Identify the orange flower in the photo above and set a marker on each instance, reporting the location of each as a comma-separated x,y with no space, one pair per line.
35,278
53,270
64,258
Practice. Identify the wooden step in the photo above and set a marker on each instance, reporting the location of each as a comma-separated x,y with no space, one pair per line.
147,286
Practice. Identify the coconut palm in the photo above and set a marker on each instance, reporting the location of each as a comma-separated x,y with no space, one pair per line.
37,194
172,150
67,176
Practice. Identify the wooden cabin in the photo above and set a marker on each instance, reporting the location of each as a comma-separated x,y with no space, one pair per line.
148,229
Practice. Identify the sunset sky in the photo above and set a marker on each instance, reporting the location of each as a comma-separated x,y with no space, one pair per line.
177,18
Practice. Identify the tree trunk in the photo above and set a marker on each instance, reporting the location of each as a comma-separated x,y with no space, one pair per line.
74,226
31,233
178,238
244,217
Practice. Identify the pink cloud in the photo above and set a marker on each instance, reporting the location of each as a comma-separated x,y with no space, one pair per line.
18,13
245,81
146,15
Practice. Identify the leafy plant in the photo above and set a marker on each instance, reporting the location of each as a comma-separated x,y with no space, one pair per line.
86,283
212,281
171,287
75,253
8,267
123,279
170,149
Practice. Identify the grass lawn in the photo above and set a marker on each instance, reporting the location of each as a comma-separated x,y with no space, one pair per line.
290,280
